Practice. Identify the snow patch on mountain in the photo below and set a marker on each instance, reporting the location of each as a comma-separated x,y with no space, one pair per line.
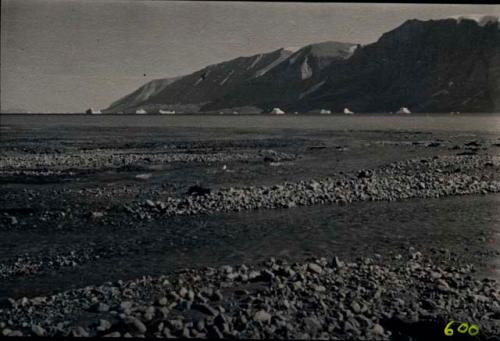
225,79
292,49
332,49
311,89
203,76
352,49
283,56
305,70
481,19
255,61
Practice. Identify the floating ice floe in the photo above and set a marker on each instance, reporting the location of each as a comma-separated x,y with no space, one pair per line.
325,112
277,111
141,111
167,112
403,110
347,111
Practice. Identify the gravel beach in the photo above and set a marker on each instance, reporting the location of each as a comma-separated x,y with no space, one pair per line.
248,233
320,299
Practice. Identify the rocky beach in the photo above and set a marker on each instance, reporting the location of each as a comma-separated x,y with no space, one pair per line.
234,232
318,299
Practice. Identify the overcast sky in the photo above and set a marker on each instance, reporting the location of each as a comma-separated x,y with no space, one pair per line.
66,56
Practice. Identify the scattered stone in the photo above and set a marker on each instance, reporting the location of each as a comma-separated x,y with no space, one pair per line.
137,325
37,330
262,316
314,299
315,268
113,334
103,325
97,215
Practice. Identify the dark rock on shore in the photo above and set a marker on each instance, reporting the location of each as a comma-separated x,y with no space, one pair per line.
198,190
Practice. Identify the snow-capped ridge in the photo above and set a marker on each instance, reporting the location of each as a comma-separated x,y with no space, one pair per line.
292,49
481,19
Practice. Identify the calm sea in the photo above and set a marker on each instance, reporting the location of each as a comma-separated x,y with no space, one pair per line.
426,122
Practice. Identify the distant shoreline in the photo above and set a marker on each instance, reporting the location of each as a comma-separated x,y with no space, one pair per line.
266,115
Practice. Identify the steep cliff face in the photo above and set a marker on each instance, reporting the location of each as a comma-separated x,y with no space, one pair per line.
428,66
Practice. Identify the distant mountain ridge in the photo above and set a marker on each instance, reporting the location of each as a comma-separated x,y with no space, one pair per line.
443,65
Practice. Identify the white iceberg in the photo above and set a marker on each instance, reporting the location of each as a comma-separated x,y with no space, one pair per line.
277,111
347,111
141,111
93,112
325,112
403,110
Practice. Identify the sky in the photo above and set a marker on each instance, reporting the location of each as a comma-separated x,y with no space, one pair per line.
69,55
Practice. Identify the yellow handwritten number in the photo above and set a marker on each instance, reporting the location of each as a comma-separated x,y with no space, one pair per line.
463,327
476,330
447,330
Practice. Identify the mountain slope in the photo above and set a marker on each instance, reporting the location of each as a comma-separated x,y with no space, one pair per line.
429,66
140,95
301,73
243,81
203,86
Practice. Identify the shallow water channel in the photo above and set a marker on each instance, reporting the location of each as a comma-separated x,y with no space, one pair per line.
466,225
